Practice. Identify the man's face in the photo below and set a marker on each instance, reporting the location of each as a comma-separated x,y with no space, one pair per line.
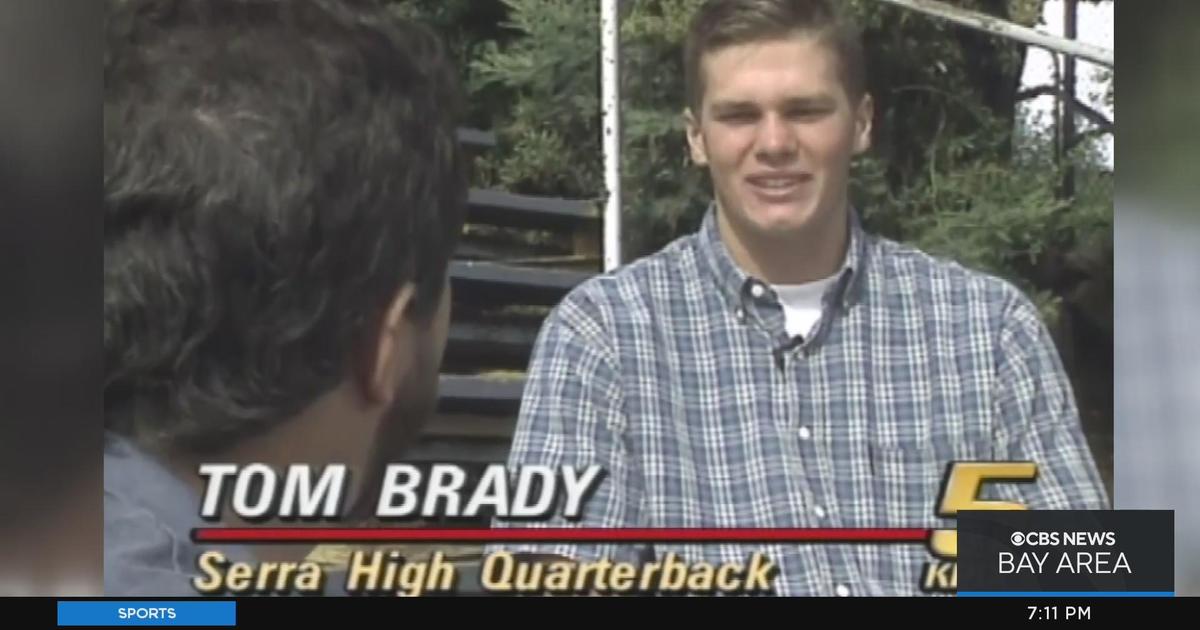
777,131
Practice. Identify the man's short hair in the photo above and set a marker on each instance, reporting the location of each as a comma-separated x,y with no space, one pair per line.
275,171
721,23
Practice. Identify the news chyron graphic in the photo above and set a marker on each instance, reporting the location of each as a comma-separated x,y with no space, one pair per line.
1067,553
441,492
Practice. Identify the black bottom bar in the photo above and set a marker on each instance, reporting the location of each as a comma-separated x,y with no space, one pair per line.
338,612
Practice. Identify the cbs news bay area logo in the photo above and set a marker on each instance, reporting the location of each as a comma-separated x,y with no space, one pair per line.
1114,552
1071,561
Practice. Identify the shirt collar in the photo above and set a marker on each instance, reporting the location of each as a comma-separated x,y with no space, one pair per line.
734,283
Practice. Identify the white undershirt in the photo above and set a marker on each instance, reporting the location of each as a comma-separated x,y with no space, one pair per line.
802,304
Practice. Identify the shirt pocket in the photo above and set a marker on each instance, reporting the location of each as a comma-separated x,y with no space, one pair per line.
906,482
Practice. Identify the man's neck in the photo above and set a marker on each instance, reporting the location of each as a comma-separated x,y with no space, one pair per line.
796,258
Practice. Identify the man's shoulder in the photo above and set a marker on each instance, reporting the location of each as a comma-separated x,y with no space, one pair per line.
148,517
628,294
146,542
143,555
938,279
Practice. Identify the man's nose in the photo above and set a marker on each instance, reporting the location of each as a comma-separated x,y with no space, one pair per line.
776,139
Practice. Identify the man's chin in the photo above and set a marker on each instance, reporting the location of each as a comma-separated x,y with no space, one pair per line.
782,222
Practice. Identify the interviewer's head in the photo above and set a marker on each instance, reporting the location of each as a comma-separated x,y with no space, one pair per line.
283,190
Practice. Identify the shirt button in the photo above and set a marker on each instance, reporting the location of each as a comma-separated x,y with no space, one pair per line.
819,511
741,314
841,590
757,290
805,433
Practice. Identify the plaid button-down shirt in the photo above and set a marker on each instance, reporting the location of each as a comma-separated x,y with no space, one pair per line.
676,374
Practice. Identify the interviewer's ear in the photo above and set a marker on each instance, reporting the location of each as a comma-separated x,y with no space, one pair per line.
387,362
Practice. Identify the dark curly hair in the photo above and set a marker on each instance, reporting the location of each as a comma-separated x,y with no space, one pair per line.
274,172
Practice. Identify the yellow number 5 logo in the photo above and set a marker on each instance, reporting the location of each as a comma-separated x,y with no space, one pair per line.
961,492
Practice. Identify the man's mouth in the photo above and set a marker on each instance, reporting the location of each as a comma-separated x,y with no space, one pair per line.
778,186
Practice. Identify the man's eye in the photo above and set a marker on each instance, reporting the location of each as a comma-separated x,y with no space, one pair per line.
738,117
808,113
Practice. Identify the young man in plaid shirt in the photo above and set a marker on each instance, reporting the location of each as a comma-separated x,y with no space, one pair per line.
781,367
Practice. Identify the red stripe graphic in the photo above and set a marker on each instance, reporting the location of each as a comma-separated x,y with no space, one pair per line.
561,534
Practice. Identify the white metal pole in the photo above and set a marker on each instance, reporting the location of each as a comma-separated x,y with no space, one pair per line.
610,107
1003,28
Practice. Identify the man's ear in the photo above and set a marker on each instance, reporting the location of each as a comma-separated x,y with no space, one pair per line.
864,116
387,363
695,138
